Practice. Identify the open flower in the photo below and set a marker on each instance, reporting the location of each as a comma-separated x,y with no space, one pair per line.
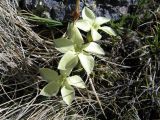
63,82
75,50
92,23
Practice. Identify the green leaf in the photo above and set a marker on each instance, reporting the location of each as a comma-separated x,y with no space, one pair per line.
51,89
87,62
94,48
76,81
88,15
102,20
83,25
68,93
108,30
95,35
48,74
69,60
64,45
40,20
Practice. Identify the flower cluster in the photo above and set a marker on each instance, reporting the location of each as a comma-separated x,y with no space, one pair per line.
75,51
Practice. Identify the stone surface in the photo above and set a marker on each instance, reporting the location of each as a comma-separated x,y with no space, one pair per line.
62,10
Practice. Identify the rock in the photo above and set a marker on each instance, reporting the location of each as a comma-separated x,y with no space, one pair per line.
62,10
28,4
57,10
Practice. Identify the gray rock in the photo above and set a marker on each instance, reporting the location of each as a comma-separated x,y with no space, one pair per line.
60,11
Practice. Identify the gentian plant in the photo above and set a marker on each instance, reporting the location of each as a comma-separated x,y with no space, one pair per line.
75,48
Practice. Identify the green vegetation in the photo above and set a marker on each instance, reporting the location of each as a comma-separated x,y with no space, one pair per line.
74,48
77,71
41,21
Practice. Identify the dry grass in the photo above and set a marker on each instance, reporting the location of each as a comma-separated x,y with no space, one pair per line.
125,84
22,51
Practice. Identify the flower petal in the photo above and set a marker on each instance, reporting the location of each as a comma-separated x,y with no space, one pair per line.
94,48
75,35
108,30
83,25
64,45
95,35
87,62
51,89
68,93
76,81
49,75
66,72
68,61
88,15
102,20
